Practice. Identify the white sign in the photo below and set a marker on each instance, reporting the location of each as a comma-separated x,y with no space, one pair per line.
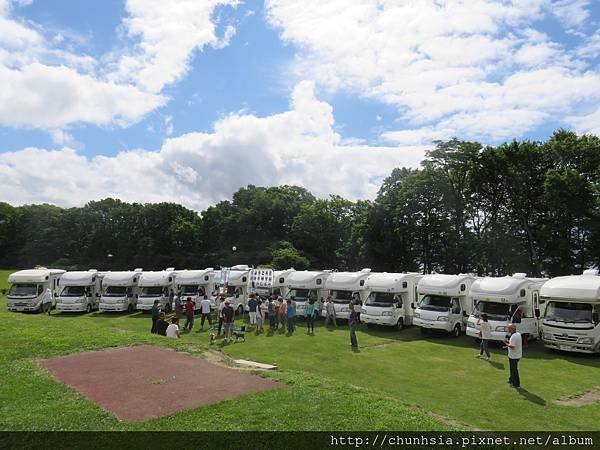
261,278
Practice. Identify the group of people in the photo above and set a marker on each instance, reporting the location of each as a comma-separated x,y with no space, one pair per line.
513,343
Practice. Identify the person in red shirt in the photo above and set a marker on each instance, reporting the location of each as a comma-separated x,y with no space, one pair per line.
189,307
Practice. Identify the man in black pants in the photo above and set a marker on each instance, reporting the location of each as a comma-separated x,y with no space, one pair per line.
155,315
515,353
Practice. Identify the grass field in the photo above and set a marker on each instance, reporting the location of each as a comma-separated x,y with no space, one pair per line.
398,381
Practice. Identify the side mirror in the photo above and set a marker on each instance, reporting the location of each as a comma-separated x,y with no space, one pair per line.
537,313
412,305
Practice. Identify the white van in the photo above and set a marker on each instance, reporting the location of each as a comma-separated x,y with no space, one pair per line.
344,288
390,300
444,303
572,318
237,287
499,298
155,285
195,284
120,291
303,285
33,289
79,291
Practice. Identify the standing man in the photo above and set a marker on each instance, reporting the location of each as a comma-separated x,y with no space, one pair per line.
515,353
290,312
178,306
310,316
252,303
155,315
282,312
259,316
220,312
485,334
330,312
228,317
352,322
190,307
205,311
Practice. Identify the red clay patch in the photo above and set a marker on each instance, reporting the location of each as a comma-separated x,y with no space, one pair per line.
141,383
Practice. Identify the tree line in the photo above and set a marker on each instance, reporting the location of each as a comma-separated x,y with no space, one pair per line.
522,206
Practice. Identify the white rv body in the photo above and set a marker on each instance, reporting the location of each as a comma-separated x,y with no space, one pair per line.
155,285
120,291
344,288
303,285
390,299
79,291
237,287
499,297
572,316
195,284
444,303
33,289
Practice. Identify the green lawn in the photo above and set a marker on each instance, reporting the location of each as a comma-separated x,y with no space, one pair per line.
398,381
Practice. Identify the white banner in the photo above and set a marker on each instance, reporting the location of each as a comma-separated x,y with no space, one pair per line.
261,278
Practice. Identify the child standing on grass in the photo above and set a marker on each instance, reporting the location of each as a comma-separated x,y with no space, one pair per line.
485,333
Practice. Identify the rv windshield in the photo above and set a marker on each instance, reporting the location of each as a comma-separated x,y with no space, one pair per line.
298,294
569,312
116,291
73,291
344,297
152,291
435,303
494,311
189,289
23,290
381,299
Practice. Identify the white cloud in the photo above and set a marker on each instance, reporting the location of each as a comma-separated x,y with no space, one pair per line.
573,13
299,146
477,68
45,86
586,123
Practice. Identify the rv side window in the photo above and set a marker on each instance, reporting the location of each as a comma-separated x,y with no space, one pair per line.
522,293
319,281
201,290
399,300
455,306
40,289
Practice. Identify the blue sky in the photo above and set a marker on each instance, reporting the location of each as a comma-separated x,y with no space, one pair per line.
321,94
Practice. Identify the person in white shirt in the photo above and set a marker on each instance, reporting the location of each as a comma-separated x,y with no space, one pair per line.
205,311
173,328
485,334
515,353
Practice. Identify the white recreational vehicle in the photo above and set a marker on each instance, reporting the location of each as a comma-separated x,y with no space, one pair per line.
33,289
195,284
155,285
237,287
346,288
444,303
391,296
572,319
120,291
79,291
303,285
499,298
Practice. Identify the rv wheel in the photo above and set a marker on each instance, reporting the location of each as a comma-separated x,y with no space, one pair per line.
400,324
456,331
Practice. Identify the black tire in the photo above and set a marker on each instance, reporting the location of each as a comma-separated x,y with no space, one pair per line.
400,324
456,331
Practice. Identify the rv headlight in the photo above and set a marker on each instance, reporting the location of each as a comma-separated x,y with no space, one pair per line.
417,315
386,313
442,318
470,325
585,340
501,329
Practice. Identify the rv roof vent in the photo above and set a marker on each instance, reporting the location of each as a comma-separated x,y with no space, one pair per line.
366,270
139,269
209,269
593,272
170,269
519,275
93,270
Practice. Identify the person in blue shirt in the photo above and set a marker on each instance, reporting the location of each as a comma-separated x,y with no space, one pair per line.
310,316
290,315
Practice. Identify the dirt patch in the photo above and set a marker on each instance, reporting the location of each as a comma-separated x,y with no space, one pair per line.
145,382
587,398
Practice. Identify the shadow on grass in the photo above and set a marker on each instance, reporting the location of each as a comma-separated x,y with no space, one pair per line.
531,397
496,365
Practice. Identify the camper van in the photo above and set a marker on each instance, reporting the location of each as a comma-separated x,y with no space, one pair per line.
120,291
195,284
345,288
155,285
79,291
444,303
237,287
572,316
499,298
33,289
390,298
303,285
